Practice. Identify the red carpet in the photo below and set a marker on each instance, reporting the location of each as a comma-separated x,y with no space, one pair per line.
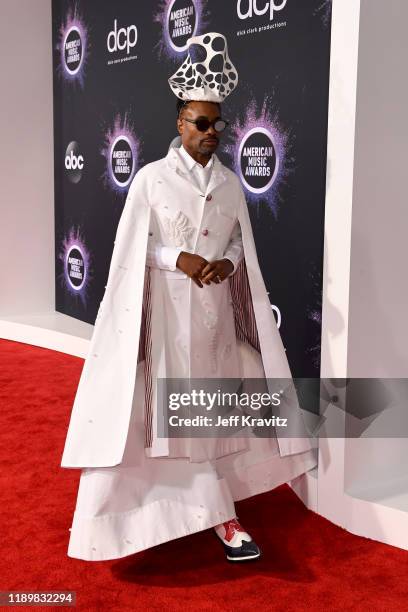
308,563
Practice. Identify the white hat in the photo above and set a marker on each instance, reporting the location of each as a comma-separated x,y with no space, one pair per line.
207,73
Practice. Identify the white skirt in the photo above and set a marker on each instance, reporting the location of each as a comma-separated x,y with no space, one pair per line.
146,501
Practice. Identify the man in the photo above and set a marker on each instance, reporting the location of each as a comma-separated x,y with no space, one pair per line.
197,149
184,287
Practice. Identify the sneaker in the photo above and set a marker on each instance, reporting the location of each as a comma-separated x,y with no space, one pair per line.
238,544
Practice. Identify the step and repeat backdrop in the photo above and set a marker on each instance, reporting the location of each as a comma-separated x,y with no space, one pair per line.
114,112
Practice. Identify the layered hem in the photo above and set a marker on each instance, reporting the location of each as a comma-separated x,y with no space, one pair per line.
117,535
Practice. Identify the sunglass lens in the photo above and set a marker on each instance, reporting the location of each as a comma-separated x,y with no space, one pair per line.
220,125
202,125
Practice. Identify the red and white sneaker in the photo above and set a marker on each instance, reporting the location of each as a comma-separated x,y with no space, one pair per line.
238,544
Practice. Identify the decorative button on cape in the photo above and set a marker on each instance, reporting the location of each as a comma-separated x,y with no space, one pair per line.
205,232
209,197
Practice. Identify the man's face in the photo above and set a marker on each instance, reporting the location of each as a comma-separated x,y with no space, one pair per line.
192,139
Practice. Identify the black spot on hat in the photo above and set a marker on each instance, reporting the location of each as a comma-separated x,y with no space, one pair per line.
200,68
218,44
217,62
198,53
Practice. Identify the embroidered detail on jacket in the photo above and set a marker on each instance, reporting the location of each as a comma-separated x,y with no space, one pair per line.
226,352
178,229
213,349
210,320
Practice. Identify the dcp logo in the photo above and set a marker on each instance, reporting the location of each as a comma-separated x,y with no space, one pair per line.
124,38
74,162
252,8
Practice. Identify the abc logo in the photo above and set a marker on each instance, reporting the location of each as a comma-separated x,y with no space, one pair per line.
124,38
251,7
74,162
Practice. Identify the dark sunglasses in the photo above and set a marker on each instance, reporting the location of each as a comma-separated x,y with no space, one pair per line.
202,124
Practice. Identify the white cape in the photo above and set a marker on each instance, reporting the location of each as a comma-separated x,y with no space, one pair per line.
132,307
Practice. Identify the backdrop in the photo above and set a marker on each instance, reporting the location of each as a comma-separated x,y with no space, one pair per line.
114,112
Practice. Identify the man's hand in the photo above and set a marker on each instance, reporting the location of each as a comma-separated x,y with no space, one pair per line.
216,271
192,265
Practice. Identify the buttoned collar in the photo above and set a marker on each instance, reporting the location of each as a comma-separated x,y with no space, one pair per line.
175,161
191,162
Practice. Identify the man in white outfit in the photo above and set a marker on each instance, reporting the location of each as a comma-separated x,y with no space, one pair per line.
206,314
200,126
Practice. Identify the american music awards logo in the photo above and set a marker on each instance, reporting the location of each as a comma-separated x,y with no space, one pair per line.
122,155
73,47
258,161
179,20
75,259
260,153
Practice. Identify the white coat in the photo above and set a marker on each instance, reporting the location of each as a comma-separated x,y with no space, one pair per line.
131,314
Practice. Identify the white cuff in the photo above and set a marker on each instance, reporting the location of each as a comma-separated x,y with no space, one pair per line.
167,257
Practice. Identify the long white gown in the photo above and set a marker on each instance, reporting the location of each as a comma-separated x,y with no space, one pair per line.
146,501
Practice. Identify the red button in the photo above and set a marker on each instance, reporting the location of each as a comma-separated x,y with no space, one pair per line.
205,232
209,197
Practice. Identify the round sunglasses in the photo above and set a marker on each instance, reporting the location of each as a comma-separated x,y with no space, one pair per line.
202,124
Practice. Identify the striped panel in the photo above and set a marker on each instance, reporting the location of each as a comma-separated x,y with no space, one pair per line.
245,321
145,353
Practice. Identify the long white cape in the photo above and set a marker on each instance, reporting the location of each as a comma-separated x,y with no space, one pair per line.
101,412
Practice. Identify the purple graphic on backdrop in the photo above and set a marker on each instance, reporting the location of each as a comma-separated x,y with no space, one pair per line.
179,20
73,47
260,153
324,11
122,154
75,259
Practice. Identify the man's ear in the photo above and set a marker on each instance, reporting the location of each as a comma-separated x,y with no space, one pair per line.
180,127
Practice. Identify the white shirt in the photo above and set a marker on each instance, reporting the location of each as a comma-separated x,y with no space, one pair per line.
200,174
159,256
